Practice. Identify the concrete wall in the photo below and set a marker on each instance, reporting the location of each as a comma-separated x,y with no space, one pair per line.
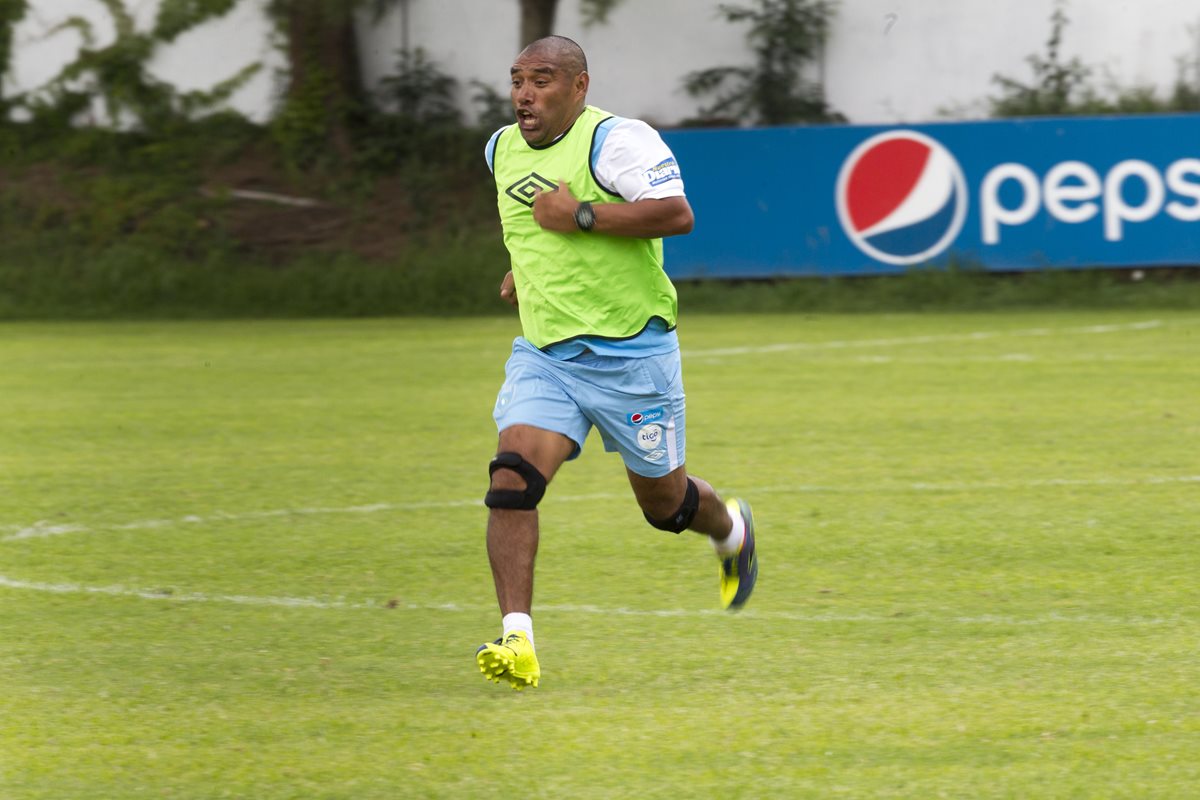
887,60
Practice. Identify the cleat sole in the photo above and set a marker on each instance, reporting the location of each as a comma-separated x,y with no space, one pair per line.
499,663
737,582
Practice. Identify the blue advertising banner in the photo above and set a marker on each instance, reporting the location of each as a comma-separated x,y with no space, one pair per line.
1008,195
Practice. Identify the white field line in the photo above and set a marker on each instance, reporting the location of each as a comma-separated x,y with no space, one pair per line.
1000,358
43,529
979,486
181,597
1052,618
904,341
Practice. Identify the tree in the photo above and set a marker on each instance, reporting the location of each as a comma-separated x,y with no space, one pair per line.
11,12
1058,86
537,16
537,19
324,90
325,99
786,36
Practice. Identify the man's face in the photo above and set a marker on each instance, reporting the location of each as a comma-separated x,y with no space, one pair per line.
545,98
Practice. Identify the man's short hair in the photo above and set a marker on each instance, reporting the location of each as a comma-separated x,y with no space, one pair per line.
565,51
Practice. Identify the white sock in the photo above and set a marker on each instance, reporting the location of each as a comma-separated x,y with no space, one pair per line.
518,622
730,544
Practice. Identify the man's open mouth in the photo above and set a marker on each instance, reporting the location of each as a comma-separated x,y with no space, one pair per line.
527,119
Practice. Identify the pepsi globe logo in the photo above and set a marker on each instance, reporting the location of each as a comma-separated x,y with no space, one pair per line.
901,197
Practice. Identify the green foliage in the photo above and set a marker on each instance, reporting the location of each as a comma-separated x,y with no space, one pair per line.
1063,87
115,75
495,108
786,37
943,290
136,277
11,12
155,258
323,100
414,124
302,127
1058,87
191,104
595,12
85,192
419,90
177,16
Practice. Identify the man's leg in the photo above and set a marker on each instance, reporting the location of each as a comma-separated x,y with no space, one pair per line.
660,498
527,458
512,534
677,502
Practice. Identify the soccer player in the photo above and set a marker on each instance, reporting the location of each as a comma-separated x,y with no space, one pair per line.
585,198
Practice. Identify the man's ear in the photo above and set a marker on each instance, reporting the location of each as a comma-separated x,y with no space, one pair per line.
582,81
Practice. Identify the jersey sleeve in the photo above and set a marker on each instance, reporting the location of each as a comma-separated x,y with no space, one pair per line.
489,152
636,163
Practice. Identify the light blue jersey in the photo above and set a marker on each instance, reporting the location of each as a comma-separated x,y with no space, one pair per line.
654,340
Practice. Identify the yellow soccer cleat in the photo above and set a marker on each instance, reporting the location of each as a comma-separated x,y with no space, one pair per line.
510,658
739,572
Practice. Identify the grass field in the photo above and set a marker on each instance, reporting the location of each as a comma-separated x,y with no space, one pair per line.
246,560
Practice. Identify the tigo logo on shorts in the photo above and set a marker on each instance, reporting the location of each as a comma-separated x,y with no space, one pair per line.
650,437
649,415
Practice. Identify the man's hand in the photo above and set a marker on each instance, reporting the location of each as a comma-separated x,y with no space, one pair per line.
508,290
648,218
555,211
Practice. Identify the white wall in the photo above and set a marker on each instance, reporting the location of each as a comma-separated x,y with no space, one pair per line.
887,60
903,60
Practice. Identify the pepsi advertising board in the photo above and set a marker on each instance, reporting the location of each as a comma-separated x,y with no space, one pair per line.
1008,195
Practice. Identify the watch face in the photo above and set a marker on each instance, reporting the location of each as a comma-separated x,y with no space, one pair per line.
585,217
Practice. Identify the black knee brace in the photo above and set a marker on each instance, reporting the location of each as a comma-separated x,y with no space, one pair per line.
682,518
523,499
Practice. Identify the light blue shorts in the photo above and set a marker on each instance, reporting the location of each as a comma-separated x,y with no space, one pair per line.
637,404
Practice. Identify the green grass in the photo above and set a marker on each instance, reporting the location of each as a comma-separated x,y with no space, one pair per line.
51,277
245,560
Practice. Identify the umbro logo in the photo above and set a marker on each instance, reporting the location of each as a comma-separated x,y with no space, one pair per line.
525,190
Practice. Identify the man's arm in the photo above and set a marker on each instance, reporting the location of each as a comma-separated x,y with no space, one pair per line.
508,290
643,219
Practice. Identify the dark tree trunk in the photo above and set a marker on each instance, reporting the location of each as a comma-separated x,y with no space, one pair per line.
537,19
11,12
322,51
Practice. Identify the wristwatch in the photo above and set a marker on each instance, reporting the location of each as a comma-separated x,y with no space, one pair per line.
585,217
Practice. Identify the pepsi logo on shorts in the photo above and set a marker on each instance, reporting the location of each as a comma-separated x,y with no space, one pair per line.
901,197
642,417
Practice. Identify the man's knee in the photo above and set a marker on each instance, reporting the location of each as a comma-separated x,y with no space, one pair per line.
681,520
524,499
